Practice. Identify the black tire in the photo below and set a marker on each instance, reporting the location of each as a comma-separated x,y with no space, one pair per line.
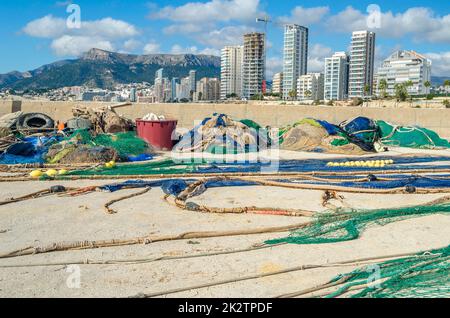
35,122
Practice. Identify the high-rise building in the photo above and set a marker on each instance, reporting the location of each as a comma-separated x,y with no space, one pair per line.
133,95
173,89
336,77
362,58
159,85
231,71
277,83
208,89
295,62
310,86
402,67
193,80
184,89
254,64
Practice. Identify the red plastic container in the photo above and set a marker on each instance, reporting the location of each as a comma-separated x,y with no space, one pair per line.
157,133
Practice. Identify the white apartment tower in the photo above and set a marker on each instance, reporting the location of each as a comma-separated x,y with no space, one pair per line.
254,64
310,87
362,58
231,71
402,67
336,77
295,56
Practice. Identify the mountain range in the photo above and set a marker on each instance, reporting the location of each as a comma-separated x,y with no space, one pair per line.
104,69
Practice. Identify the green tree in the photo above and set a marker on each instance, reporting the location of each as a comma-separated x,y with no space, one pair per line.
383,87
446,86
427,84
308,94
293,94
401,93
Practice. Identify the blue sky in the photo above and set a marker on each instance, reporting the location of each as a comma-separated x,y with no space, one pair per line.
35,32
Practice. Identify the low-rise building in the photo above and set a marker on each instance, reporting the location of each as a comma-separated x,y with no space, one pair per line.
404,67
310,87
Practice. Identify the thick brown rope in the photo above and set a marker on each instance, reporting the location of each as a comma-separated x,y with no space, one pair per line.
108,204
57,247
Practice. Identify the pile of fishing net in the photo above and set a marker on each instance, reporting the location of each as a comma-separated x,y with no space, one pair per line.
356,136
425,275
84,146
222,135
348,224
410,136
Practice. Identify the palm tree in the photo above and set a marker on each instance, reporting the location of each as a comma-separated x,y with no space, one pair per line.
366,93
408,85
383,86
427,84
308,94
293,94
446,85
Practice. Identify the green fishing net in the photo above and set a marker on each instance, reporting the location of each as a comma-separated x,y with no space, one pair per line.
347,225
412,137
163,167
425,275
126,144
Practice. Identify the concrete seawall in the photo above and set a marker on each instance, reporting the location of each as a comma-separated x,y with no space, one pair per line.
273,115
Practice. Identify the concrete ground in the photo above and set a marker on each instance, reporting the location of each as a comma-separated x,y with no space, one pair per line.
52,219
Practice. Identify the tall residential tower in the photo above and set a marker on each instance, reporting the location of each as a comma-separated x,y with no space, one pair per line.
231,71
362,58
295,56
254,64
336,77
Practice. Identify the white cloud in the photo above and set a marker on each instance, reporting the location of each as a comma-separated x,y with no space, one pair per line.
273,65
100,34
305,16
441,63
52,27
152,48
46,27
218,38
316,58
131,45
211,11
420,23
69,45
178,49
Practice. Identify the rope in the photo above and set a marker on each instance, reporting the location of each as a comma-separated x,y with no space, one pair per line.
58,247
274,273
108,204
143,260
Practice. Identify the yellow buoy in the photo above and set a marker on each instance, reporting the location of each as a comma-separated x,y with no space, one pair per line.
51,173
36,174
63,172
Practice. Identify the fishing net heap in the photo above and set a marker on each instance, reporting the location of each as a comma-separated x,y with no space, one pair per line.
354,137
410,136
348,224
422,275
222,135
86,147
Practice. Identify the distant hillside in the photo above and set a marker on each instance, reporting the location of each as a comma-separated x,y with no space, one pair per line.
103,69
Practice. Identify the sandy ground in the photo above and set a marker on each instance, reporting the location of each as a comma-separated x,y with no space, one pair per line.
53,219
